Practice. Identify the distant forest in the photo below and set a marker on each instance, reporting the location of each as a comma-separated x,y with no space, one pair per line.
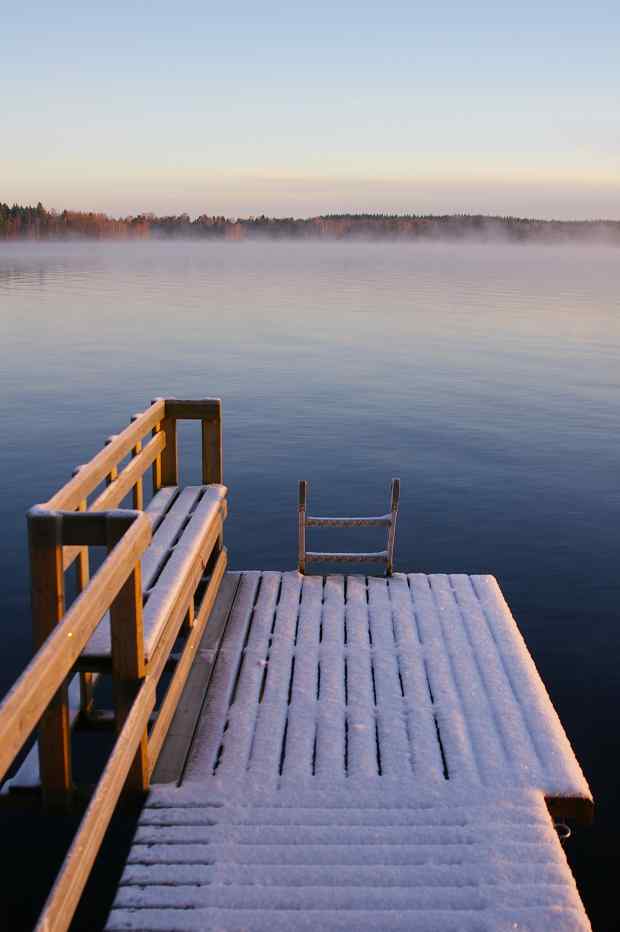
37,223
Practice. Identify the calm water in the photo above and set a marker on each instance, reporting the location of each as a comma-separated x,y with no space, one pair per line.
487,377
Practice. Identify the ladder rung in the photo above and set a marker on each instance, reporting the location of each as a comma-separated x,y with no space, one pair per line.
379,556
378,521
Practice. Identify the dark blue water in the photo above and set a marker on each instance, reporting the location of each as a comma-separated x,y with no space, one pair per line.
486,377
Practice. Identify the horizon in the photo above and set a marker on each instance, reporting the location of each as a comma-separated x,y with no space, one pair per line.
298,112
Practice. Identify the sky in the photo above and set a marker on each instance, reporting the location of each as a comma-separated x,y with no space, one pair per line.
298,109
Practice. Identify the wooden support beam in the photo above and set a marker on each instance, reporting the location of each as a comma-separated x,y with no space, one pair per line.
138,489
170,454
128,667
82,567
48,607
212,464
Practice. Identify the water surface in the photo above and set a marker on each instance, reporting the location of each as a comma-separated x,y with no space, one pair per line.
486,377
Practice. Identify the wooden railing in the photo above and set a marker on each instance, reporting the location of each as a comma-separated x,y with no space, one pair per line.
60,532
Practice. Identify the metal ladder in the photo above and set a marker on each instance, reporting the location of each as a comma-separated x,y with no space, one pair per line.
387,521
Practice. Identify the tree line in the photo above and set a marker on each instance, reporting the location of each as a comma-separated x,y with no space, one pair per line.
37,223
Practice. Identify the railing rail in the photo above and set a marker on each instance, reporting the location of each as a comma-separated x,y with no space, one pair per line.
27,701
60,532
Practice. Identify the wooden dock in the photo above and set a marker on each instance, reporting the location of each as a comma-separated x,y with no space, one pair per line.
340,751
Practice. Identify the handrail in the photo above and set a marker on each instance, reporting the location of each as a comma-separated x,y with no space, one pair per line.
67,890
26,702
60,531
95,471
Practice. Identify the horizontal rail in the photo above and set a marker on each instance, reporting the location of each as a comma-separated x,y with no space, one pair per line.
114,494
65,895
378,521
380,556
92,473
28,699
197,409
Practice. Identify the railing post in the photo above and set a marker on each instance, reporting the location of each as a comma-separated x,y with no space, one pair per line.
82,576
157,483
169,456
48,607
137,492
212,465
128,666
301,526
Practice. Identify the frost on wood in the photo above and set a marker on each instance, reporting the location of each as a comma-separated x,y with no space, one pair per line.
460,858
373,754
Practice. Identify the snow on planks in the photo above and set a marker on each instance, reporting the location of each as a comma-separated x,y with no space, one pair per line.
372,753
457,859
347,678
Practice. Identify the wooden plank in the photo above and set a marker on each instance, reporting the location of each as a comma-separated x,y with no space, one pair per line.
362,740
160,504
165,628
176,747
24,705
184,665
420,717
242,711
195,546
331,744
392,735
445,691
64,898
272,713
69,497
298,759
210,733
96,654
167,532
48,608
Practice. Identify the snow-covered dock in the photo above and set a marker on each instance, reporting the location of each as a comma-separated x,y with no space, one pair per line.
339,752
371,752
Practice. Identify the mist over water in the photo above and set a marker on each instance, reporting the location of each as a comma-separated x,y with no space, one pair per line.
485,376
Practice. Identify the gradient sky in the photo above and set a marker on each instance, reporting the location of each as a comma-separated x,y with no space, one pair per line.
299,109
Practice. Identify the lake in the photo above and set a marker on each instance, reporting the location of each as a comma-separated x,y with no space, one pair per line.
486,376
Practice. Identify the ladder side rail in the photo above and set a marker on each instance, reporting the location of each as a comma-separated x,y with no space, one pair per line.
301,524
391,534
